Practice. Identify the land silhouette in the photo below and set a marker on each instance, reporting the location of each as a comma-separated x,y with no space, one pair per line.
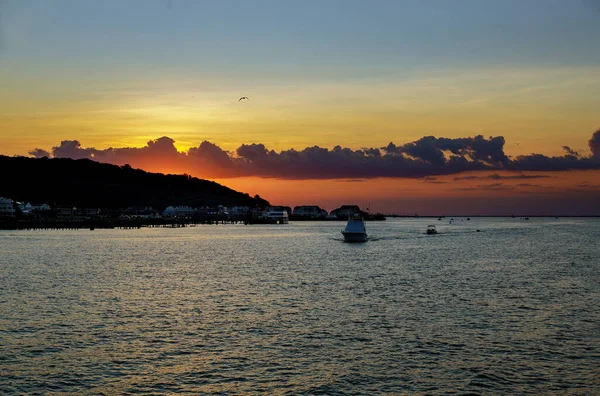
88,184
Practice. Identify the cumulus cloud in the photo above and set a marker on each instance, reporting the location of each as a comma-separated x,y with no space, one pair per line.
39,153
594,144
424,158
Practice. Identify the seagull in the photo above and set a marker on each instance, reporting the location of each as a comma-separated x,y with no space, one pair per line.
243,97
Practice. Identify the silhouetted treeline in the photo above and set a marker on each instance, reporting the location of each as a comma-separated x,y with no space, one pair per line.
88,184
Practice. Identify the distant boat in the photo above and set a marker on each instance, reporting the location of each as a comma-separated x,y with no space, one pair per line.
431,230
355,230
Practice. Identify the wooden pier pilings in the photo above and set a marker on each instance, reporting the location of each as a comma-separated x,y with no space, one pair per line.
110,223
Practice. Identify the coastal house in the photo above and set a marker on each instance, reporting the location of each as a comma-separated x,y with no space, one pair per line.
280,208
7,207
345,211
26,208
67,212
169,211
309,212
179,211
40,208
141,211
240,210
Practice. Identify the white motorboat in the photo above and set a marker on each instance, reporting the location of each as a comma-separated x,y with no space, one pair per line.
355,230
431,229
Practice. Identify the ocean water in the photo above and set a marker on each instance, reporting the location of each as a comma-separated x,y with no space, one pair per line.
292,309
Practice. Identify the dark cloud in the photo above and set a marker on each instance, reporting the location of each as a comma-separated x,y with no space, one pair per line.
161,150
527,185
496,176
570,151
71,149
495,186
464,189
424,158
540,162
587,185
433,180
594,144
39,153
352,181
486,187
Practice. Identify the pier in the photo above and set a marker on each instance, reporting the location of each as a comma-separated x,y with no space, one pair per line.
134,223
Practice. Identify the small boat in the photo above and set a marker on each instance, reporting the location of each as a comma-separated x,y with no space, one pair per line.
431,230
355,230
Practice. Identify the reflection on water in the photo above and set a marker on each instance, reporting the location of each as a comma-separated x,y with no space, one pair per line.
293,309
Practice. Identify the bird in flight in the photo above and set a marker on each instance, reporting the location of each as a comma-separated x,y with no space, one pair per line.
243,97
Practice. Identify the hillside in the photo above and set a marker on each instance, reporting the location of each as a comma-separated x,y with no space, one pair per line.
88,184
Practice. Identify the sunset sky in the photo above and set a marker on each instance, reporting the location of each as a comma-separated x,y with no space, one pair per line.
156,84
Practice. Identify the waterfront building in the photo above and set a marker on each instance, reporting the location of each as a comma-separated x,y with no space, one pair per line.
169,211
7,207
40,208
179,211
309,212
25,208
240,210
275,216
280,208
346,211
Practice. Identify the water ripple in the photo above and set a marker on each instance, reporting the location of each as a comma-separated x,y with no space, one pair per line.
294,310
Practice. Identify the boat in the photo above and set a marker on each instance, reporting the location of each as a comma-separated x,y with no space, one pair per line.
431,229
355,230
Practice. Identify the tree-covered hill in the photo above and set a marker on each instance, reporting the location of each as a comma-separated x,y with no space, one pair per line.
88,184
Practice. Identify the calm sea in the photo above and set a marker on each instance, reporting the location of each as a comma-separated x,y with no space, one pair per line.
292,309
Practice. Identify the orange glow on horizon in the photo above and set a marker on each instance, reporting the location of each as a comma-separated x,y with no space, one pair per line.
381,193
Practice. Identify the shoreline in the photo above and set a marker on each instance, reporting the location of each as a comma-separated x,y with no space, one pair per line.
92,224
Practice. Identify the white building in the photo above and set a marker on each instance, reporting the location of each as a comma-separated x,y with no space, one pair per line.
6,207
276,216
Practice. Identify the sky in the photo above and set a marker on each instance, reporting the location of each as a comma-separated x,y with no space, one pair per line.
403,106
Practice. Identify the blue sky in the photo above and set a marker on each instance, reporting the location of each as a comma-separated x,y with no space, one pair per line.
332,39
